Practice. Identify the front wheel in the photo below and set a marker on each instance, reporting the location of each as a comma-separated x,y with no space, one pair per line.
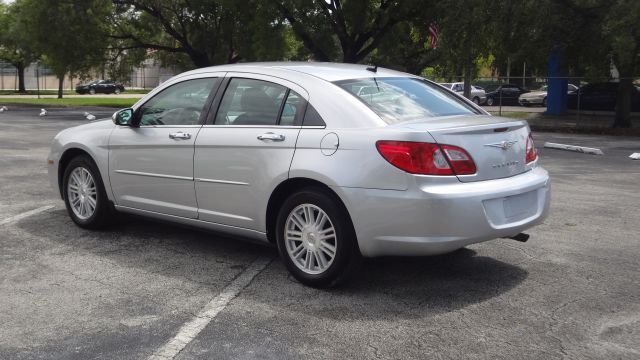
84,195
92,91
490,101
315,238
476,100
117,91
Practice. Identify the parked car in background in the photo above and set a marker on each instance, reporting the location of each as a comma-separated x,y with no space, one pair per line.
506,94
539,97
309,158
601,96
100,86
478,94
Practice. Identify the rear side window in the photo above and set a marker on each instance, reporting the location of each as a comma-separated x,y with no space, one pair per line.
403,99
312,118
252,102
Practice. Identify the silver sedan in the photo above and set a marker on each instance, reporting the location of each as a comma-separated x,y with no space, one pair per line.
298,155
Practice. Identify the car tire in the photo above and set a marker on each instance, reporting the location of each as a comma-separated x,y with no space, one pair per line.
490,101
476,100
116,91
84,195
544,102
316,239
92,91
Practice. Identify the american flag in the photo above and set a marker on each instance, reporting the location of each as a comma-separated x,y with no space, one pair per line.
433,35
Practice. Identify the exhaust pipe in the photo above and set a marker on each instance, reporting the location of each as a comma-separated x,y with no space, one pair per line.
522,237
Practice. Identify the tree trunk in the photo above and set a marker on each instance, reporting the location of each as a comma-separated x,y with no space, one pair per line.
623,104
199,59
60,83
21,86
467,71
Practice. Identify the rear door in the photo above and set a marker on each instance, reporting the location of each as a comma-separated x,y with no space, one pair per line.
245,149
151,166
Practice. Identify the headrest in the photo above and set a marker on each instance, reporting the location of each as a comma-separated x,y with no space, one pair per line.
257,101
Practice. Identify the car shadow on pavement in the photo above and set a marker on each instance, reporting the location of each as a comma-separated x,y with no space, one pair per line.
382,288
405,288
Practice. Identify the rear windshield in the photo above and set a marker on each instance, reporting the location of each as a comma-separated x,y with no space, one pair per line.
402,99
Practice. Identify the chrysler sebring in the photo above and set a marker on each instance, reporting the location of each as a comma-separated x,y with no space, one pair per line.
329,162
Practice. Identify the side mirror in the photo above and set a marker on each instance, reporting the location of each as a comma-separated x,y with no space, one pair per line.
123,117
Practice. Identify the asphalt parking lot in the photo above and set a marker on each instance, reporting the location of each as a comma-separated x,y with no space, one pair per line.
572,291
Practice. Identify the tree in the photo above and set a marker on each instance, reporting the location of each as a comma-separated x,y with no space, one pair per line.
346,30
466,34
406,47
69,33
622,27
14,46
202,32
602,30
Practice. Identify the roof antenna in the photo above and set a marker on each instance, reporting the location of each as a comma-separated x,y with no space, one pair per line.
373,68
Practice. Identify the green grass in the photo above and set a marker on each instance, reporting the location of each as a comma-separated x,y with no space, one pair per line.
88,101
65,92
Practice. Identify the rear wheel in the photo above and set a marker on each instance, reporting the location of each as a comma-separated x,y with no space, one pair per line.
92,91
84,195
544,102
117,91
476,100
315,238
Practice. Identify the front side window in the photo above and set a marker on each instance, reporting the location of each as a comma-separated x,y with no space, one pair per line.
179,104
254,102
403,99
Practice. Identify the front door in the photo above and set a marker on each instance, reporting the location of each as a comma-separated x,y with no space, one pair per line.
247,149
151,166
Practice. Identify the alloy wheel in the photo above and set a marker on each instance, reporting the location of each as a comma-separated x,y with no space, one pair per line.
310,239
82,192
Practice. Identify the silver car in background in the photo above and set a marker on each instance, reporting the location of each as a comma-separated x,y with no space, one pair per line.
330,162
478,95
539,97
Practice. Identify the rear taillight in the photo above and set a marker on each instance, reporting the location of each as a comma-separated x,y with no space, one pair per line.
532,154
426,158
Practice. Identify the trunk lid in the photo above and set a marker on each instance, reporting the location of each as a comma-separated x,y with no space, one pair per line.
497,145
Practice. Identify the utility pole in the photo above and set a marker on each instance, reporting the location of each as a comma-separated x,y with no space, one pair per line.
38,78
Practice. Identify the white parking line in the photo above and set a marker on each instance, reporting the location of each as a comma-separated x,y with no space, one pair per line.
193,327
25,214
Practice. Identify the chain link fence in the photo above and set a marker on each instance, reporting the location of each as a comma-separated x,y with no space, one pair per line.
588,102
41,77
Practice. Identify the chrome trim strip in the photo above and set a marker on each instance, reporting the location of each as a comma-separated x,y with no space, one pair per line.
263,127
128,172
222,181
170,126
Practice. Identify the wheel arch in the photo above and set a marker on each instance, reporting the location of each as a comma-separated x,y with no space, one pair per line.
287,187
66,157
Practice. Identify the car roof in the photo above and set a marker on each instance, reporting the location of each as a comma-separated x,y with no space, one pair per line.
322,70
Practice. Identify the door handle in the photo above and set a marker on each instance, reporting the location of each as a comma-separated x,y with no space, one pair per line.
271,136
179,135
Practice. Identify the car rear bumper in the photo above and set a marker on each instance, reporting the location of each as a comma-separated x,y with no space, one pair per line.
435,219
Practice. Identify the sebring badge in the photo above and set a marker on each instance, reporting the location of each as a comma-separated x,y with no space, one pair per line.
504,145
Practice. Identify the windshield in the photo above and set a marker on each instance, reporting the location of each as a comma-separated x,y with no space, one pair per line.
402,99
